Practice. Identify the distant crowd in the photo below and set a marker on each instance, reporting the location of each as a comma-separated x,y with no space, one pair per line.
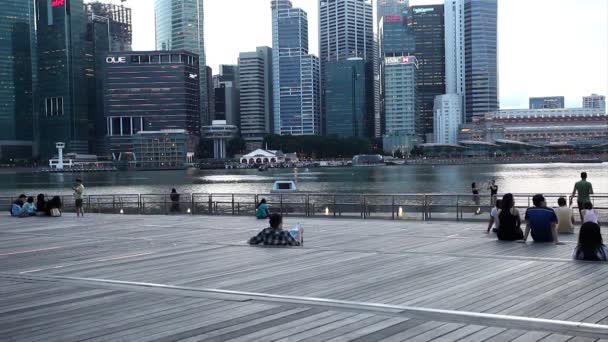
25,206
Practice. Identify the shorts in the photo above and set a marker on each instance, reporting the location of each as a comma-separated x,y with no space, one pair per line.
79,203
581,204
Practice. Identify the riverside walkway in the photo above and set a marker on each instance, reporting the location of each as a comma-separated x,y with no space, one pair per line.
193,278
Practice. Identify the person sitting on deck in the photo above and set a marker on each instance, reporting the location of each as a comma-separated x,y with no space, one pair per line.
509,222
565,217
541,221
494,220
588,214
262,210
590,244
40,205
29,206
17,207
274,235
54,203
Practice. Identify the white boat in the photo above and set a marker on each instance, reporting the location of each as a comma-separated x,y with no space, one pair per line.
284,187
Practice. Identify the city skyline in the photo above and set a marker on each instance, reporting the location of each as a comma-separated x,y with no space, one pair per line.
536,27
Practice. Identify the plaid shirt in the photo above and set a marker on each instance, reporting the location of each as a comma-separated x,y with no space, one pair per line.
274,237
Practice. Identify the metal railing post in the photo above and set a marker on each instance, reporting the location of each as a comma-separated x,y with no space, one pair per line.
393,207
334,208
192,204
233,205
210,204
139,211
281,201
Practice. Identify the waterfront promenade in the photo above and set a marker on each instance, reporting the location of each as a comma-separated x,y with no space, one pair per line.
168,278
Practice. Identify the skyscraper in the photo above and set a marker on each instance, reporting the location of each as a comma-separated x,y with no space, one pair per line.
348,103
481,60
180,26
295,73
400,99
62,86
428,25
447,117
17,77
346,30
109,29
454,46
226,95
255,78
471,54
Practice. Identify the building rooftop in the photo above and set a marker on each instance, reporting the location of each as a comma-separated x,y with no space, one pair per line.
168,278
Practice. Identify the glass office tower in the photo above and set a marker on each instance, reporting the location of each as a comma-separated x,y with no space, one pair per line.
295,73
17,77
428,25
481,61
62,105
349,98
180,26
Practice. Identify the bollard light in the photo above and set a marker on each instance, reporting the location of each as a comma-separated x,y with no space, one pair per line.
400,212
189,211
122,211
326,210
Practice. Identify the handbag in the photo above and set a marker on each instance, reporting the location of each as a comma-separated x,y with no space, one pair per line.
55,212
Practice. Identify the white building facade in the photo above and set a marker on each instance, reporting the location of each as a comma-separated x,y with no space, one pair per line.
447,114
595,101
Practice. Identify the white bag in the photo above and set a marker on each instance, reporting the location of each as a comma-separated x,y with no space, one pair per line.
55,212
297,233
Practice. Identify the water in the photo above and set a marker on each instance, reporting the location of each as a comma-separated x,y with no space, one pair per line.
516,178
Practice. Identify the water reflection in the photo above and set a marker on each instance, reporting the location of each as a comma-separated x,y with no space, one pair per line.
546,178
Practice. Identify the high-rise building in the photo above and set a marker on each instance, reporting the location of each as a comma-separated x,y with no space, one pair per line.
428,25
349,89
390,7
346,30
548,102
150,91
400,100
180,26
255,79
471,54
210,92
109,29
454,47
595,101
62,85
481,57
377,90
447,117
295,73
226,95
17,79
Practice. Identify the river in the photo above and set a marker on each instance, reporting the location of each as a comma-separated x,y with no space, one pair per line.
515,178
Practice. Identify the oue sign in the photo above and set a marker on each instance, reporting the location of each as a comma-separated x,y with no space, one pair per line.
116,60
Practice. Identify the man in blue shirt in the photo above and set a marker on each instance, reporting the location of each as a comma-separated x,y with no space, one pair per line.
541,221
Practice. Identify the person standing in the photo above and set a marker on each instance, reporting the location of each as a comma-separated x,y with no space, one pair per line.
565,217
476,199
174,201
78,193
584,190
493,189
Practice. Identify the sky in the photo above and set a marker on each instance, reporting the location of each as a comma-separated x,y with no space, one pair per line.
546,47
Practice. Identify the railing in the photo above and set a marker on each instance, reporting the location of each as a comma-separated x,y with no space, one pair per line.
364,206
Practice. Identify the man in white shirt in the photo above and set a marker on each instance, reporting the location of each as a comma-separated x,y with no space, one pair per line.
494,217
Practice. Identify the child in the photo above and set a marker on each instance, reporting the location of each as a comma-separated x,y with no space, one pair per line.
30,207
494,217
588,214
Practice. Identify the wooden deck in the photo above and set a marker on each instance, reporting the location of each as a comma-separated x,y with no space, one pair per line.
169,278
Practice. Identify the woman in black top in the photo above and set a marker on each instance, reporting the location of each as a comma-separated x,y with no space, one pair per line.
40,205
509,228
590,244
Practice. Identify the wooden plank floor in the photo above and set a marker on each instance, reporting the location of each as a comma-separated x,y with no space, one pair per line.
193,278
